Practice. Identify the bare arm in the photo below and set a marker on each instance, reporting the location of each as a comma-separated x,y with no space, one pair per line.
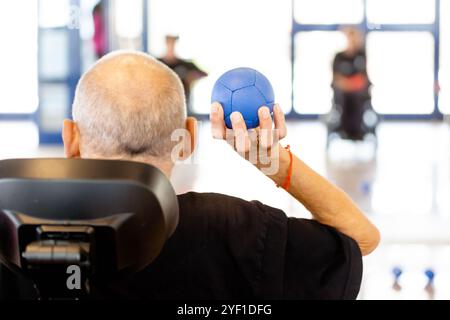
340,82
350,84
328,204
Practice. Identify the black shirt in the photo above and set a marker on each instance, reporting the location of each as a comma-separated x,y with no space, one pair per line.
225,247
350,64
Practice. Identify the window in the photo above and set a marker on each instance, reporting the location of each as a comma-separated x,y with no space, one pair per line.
127,24
54,98
26,138
313,72
54,46
54,13
400,53
220,35
400,66
18,57
58,64
400,11
444,62
128,14
328,11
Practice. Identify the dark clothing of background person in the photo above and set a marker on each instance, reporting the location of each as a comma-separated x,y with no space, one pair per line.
188,73
352,101
349,65
229,248
99,38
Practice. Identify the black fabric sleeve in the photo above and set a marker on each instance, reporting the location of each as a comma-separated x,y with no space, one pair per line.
320,262
303,259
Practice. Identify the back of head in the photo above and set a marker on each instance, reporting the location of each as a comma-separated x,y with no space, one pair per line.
127,106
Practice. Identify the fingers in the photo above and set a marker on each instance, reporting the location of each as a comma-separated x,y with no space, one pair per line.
265,128
242,140
239,137
217,121
280,122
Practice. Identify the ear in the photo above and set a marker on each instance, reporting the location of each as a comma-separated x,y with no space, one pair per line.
190,140
71,139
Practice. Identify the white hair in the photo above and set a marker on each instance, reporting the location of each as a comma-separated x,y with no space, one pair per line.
127,105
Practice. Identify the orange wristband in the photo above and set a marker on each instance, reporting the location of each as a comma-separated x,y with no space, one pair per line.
287,182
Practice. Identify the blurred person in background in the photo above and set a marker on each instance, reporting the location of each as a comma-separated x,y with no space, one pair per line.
351,85
99,30
188,72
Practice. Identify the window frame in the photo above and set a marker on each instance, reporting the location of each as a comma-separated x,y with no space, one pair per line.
366,27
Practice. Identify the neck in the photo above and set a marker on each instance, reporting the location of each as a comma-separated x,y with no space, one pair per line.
165,165
170,55
351,51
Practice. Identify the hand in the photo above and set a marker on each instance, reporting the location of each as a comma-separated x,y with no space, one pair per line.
259,146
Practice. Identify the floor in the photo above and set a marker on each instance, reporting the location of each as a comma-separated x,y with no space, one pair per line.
404,187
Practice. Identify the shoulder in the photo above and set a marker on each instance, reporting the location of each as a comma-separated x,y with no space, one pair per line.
338,59
362,52
330,261
339,55
227,216
227,212
216,204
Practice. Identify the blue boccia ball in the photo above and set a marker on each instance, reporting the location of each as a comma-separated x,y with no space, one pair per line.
244,90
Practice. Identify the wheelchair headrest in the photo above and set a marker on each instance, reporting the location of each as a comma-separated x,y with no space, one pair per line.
117,214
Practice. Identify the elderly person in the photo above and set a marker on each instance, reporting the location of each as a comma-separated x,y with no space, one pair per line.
127,107
351,86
